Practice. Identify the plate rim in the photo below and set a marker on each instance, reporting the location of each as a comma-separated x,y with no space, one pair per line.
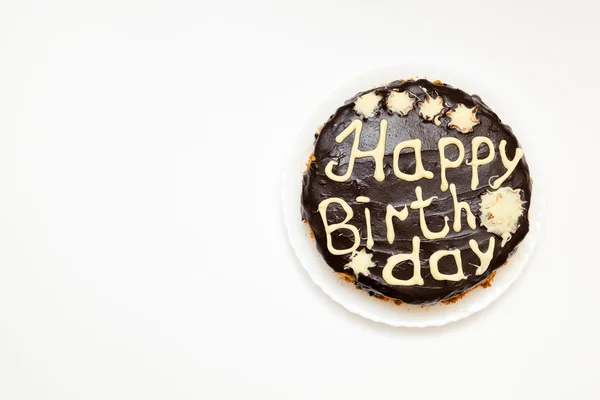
292,180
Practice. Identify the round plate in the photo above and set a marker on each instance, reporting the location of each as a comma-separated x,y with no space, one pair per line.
345,293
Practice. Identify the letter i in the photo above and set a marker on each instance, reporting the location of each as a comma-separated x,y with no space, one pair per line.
370,241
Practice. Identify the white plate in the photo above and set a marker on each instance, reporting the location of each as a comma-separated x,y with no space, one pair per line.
358,301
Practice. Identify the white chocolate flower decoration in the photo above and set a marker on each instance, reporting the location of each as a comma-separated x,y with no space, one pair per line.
366,104
401,102
360,262
431,108
500,212
463,119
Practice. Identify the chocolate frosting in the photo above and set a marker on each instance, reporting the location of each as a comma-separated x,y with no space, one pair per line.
399,193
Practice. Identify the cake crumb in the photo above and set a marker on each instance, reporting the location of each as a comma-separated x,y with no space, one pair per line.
485,284
346,277
398,302
488,282
380,297
310,160
456,298
310,232
531,180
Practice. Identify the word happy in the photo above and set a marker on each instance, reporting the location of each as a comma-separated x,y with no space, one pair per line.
419,204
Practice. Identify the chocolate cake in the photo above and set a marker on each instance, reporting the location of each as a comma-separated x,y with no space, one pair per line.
417,191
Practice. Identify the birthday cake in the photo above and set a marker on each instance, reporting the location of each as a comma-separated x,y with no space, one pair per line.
416,192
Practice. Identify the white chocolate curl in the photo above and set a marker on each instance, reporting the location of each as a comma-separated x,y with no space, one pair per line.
366,104
500,212
463,119
401,102
360,262
431,108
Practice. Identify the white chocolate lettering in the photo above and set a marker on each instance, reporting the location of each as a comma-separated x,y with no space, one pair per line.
329,229
363,199
484,258
370,241
510,165
446,163
390,213
458,207
420,205
420,171
377,153
435,271
394,260
476,162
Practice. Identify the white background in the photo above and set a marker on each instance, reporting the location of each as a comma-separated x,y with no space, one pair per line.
142,253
